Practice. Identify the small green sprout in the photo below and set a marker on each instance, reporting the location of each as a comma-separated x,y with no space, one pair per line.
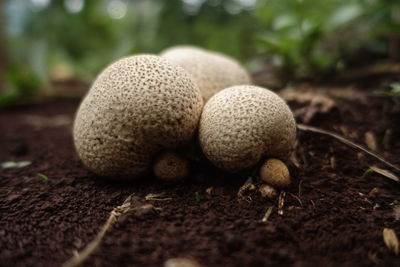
197,197
42,176
367,172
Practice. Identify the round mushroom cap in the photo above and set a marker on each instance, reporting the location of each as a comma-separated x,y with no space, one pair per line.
135,108
170,166
275,173
213,71
243,124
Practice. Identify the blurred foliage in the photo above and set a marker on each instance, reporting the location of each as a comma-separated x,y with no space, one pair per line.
21,82
316,37
50,40
393,92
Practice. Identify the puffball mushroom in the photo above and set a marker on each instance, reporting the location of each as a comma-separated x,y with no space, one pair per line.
170,166
268,191
241,125
275,173
213,71
135,108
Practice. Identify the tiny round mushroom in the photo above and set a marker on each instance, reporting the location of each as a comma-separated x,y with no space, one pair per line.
213,71
275,173
267,191
241,125
137,107
170,166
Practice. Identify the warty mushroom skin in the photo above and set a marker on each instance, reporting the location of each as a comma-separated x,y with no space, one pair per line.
136,107
241,125
213,71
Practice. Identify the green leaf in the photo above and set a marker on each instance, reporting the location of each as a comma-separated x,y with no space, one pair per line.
344,14
395,88
42,176
367,172
197,197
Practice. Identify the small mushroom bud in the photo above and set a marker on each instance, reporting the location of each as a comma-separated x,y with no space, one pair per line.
170,166
275,173
268,191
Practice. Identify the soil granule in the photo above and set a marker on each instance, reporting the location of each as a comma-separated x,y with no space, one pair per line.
333,214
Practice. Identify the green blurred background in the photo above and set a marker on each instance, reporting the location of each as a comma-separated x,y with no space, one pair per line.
50,43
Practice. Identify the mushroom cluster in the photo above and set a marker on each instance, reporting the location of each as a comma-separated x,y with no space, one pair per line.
137,107
142,108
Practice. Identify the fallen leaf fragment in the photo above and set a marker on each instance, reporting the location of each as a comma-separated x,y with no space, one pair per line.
267,214
391,240
12,164
385,173
370,140
181,262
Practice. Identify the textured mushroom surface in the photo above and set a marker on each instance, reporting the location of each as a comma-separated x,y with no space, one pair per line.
136,107
170,166
242,124
275,173
212,71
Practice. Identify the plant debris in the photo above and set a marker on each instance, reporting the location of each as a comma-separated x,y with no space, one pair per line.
281,202
385,173
312,104
12,164
247,187
267,214
391,240
157,197
347,142
127,206
370,140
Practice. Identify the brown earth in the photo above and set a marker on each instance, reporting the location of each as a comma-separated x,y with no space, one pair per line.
332,215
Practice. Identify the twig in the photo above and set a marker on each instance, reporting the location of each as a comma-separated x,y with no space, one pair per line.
157,197
281,202
267,214
347,142
244,189
126,207
299,191
297,198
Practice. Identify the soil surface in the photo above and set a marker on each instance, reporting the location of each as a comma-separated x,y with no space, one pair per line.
333,214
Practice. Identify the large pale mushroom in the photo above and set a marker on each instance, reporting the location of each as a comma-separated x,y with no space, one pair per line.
135,108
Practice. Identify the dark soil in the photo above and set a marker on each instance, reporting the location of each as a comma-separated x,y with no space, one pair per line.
330,216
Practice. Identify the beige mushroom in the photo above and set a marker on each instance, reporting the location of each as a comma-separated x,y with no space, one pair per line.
213,71
275,173
170,166
267,191
243,124
135,108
